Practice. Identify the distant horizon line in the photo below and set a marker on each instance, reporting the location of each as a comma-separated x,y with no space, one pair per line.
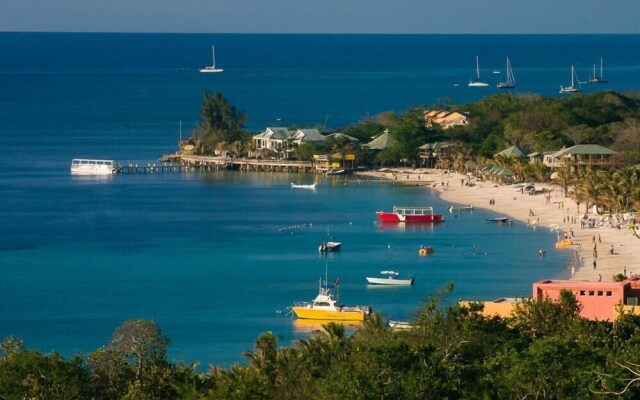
324,33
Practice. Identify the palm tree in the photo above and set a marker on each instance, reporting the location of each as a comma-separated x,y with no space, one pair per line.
564,179
265,350
627,179
593,188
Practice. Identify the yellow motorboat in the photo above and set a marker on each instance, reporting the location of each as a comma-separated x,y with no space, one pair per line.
326,307
423,251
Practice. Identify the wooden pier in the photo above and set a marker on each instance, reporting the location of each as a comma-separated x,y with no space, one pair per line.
190,163
150,168
247,164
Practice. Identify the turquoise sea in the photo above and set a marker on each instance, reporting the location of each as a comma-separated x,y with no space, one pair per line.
217,258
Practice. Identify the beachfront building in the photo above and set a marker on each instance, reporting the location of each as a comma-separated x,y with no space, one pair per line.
273,138
338,136
538,157
282,141
432,154
445,119
581,156
497,174
599,300
379,142
511,152
308,136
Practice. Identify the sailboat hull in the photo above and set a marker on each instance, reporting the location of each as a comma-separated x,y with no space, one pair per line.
211,70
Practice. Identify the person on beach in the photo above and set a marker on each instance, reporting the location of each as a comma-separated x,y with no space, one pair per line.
599,278
531,212
594,264
611,250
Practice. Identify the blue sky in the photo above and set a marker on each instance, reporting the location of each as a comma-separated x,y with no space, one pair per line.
322,16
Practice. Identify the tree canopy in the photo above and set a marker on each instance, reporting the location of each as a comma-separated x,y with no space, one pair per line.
545,351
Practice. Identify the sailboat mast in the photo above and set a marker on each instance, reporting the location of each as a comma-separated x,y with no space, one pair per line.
477,67
572,74
213,55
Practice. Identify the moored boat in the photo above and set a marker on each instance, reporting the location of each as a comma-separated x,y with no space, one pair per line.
597,79
389,278
510,82
462,208
499,220
425,250
399,325
303,186
325,307
573,88
212,68
329,246
81,166
476,82
409,214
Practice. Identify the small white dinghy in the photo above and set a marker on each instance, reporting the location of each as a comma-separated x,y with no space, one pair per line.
304,186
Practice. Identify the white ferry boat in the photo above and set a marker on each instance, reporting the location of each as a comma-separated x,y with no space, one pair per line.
80,166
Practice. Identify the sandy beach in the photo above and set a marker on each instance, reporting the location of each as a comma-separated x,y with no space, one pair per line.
547,209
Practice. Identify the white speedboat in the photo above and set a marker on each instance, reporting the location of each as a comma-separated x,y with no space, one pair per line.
389,278
303,186
399,325
327,246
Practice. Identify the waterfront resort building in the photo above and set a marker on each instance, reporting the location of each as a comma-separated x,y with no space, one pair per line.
581,156
445,119
280,139
599,300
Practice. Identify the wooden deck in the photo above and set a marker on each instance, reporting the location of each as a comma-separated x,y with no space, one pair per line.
247,164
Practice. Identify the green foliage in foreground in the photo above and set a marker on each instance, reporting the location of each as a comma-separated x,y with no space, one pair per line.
545,351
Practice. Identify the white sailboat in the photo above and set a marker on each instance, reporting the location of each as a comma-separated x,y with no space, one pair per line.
510,82
597,79
212,68
573,88
476,82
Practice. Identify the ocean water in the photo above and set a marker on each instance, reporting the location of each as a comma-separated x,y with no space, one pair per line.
216,258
